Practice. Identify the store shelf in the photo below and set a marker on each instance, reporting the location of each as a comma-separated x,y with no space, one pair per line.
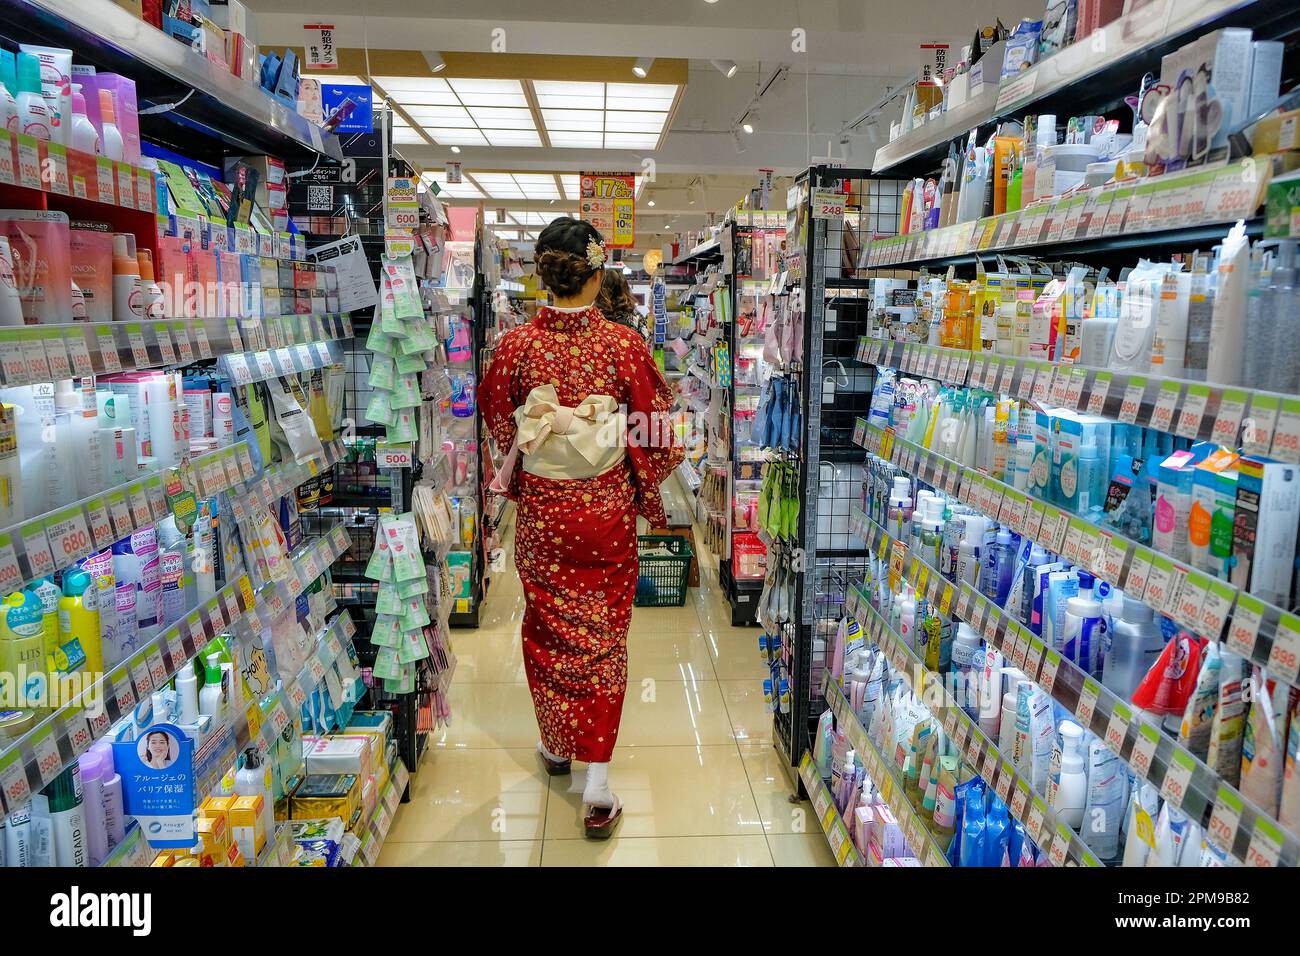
45,352
381,820
30,762
1257,630
1199,411
703,254
1063,846
832,824
244,368
1237,825
880,769
1179,210
236,113
1089,76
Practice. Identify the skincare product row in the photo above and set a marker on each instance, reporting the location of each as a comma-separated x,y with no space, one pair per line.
1226,316
1195,689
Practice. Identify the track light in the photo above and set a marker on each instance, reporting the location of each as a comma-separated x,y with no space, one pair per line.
436,63
726,67
641,68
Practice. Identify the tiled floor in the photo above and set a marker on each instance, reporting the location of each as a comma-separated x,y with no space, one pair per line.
700,782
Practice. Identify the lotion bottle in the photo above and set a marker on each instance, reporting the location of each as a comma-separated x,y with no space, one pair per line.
8,87
112,145
33,111
128,297
85,137
1072,791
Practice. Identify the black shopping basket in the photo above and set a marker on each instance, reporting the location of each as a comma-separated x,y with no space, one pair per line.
665,569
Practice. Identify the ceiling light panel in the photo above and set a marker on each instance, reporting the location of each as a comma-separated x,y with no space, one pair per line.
572,186
334,79
515,117
490,92
461,190
408,137
570,139
631,141
448,136
582,121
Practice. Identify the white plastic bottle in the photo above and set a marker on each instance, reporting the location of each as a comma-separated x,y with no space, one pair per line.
33,111
112,139
965,654
907,618
212,698
254,780
187,694
1072,791
155,303
85,137
128,297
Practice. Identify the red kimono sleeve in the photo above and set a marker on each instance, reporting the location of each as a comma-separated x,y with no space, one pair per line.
652,448
496,395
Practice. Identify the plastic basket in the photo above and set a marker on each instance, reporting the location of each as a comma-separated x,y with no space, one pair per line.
665,569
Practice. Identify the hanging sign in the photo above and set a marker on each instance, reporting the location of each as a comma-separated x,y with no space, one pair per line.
453,174
608,202
158,784
765,187
322,54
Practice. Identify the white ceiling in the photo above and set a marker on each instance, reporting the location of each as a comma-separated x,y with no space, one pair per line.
839,56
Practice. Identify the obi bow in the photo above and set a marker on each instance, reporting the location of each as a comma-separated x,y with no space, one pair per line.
563,442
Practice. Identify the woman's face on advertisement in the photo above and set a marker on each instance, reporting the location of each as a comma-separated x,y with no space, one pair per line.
158,745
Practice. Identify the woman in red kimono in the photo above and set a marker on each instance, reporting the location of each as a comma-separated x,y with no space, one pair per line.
584,410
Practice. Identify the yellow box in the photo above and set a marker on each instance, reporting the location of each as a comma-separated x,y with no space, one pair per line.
247,828
213,833
217,807
164,858
327,795
1274,134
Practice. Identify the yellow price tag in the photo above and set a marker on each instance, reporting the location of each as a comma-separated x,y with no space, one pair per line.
246,591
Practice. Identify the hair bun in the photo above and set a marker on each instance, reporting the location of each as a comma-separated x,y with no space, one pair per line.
563,272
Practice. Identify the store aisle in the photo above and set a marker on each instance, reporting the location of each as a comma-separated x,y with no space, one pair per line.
695,768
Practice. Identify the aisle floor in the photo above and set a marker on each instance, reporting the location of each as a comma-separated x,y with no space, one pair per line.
700,781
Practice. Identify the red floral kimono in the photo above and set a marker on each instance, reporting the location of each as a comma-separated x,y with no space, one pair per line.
575,543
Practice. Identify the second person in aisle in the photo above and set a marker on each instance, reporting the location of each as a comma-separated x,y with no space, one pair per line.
584,411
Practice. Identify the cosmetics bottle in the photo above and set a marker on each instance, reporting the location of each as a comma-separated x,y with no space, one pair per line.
92,789
9,90
112,139
128,297
11,303
33,111
85,137
61,800
155,305
79,626
111,788
1072,790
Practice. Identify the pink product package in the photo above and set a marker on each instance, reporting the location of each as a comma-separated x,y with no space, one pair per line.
128,120
92,270
177,272
228,264
39,244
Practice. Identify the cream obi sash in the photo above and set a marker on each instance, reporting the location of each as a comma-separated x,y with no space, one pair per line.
562,442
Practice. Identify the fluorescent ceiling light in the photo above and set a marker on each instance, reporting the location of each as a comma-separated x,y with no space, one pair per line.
455,117
642,66
489,92
413,84
630,141
726,67
570,139
572,186
408,137
592,121
436,63
446,136
461,190
512,137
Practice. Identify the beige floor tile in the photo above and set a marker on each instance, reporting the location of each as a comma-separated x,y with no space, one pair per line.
665,620
489,716
772,789
479,853
669,656
751,721
659,851
801,849
487,657
735,655
666,792
659,713
488,795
